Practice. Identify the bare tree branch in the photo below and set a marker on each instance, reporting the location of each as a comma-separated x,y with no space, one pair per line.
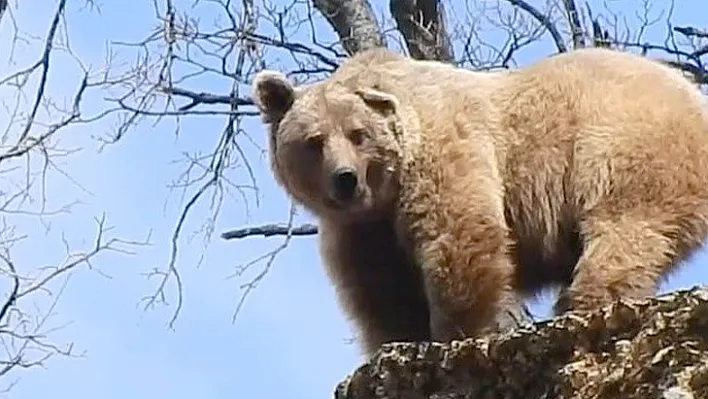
355,23
691,31
600,36
422,25
269,230
33,122
544,20
697,74
574,21
3,8
205,98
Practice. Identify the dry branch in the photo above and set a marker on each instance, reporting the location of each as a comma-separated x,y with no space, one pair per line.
697,74
3,8
691,31
206,98
355,23
269,230
422,25
544,20
575,26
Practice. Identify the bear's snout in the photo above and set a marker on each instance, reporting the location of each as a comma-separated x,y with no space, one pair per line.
344,182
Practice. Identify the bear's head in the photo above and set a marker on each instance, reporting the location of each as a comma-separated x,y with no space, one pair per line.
332,147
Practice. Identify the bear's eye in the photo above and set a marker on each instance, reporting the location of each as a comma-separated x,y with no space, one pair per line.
315,143
357,136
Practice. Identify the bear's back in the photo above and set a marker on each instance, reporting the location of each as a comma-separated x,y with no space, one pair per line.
598,89
585,124
613,78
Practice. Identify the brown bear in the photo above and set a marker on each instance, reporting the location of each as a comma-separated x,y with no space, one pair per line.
444,193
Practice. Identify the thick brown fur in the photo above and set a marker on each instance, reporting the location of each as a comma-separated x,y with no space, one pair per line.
587,170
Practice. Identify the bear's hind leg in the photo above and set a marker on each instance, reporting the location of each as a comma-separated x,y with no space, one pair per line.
627,254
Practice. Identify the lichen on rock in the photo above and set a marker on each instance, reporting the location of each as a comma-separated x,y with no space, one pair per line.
654,348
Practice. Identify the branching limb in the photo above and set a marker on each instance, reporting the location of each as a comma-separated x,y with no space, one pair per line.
576,28
355,23
422,25
544,20
697,74
25,336
205,98
269,230
3,8
269,259
691,31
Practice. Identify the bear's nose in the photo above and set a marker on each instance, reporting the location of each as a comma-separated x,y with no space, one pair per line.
345,182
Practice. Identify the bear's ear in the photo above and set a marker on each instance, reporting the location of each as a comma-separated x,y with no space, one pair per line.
273,94
382,102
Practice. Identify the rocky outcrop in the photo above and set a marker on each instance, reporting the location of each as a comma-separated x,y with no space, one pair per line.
656,348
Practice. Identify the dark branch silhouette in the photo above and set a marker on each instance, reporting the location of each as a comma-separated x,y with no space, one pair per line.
269,230
355,23
422,25
545,22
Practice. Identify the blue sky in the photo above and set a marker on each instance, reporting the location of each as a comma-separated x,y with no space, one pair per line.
290,339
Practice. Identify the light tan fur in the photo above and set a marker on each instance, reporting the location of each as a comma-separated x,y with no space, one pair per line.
587,170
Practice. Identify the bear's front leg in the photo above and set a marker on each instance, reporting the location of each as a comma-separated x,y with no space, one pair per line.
453,209
377,282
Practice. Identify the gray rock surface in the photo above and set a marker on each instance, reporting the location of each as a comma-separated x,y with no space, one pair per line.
657,348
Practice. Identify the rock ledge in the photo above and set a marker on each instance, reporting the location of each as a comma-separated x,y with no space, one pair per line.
657,348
